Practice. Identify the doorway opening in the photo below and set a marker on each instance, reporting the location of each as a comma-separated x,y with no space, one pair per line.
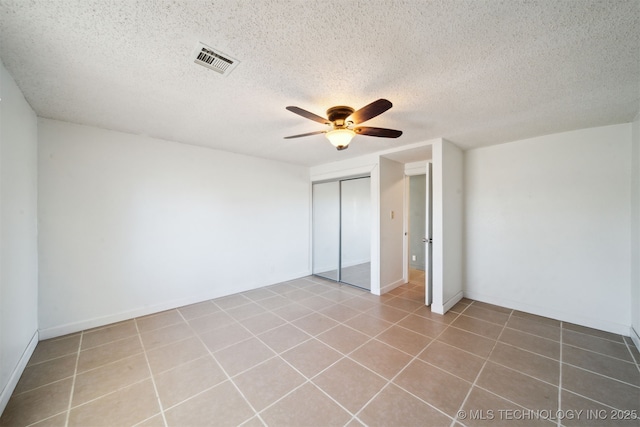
420,228
341,221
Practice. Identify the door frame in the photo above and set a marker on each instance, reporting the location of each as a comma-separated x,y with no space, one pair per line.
427,170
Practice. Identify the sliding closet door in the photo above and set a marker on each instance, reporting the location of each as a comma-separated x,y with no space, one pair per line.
355,239
342,231
326,230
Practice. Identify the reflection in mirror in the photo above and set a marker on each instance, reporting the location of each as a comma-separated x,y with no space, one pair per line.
356,232
326,229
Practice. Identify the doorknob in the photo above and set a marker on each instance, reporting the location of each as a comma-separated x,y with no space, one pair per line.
425,240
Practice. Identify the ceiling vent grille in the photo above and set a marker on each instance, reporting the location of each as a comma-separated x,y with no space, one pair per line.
214,59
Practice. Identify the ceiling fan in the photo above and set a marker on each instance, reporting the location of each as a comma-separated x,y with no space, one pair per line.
342,120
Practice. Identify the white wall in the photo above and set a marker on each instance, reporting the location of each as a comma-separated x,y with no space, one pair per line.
131,225
635,232
448,232
18,235
548,226
392,240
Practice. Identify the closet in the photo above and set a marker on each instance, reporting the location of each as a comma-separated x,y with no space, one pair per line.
342,230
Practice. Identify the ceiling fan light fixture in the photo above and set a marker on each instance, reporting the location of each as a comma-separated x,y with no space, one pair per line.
340,138
342,119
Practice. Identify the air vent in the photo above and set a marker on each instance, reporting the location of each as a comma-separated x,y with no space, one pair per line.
214,59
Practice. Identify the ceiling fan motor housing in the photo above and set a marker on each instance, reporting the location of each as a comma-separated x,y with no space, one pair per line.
338,115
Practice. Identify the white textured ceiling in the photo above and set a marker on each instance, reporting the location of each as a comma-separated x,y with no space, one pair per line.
475,72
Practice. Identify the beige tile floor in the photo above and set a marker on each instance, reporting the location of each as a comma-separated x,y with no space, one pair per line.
314,353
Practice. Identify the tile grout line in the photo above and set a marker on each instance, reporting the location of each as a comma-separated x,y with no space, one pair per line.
224,371
599,353
153,381
501,365
591,399
560,373
355,416
505,366
338,323
73,382
374,338
239,323
484,364
390,381
570,345
591,335
498,363
309,380
505,399
94,399
602,375
346,355
636,361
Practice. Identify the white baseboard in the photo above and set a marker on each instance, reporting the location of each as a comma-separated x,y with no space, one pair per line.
391,286
446,306
96,322
83,325
603,325
8,389
635,337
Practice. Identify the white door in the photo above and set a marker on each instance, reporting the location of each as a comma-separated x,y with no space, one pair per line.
428,238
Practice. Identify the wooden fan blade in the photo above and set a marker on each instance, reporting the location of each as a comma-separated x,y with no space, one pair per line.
308,115
370,111
380,132
306,134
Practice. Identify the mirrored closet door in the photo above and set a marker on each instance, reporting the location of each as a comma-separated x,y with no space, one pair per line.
342,231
